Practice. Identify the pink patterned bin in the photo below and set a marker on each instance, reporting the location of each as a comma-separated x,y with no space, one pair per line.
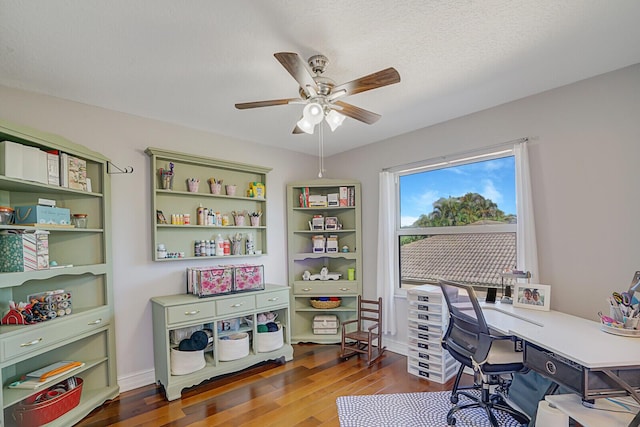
210,281
248,278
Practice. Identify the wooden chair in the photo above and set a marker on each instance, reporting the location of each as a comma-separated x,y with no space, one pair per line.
367,338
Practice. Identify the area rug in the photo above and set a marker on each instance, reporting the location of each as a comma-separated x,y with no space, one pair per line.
411,410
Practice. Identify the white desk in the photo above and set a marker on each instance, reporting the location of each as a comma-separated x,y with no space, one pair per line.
579,340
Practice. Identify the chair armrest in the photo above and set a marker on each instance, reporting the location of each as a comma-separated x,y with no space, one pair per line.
348,322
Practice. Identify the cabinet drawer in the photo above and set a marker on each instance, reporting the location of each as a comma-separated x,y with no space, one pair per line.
272,298
235,305
190,312
313,288
52,333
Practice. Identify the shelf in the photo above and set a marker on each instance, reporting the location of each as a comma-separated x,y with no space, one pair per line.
19,185
88,332
180,238
301,259
200,195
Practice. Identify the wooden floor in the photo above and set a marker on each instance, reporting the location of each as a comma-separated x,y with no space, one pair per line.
301,392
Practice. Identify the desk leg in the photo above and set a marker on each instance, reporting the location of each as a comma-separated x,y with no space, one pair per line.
636,420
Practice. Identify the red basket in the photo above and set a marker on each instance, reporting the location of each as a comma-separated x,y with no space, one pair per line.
34,412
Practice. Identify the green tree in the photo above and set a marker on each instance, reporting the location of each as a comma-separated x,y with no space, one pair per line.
464,210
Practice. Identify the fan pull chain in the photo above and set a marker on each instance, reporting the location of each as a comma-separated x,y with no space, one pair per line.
321,151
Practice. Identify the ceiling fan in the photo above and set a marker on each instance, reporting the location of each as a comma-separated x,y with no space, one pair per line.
321,95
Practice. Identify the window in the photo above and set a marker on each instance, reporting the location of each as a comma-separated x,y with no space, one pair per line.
457,220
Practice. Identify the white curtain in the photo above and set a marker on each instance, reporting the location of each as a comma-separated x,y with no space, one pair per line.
386,233
527,249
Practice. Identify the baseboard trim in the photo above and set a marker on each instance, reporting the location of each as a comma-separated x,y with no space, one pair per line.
136,380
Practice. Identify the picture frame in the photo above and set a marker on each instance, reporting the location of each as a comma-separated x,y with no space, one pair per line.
161,219
532,296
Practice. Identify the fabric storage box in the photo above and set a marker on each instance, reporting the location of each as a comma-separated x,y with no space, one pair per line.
248,278
24,250
186,362
325,324
23,162
269,341
232,347
36,214
210,281
47,405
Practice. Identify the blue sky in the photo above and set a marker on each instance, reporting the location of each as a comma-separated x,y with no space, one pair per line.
493,179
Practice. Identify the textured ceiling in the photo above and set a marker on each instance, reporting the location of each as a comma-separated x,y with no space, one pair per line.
189,62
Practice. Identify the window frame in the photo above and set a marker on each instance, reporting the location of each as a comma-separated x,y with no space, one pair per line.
432,165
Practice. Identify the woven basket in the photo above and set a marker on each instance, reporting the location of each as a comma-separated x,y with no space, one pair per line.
315,303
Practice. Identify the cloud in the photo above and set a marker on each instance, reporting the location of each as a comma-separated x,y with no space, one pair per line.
490,191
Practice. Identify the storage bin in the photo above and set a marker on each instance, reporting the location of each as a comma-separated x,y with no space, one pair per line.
233,347
37,409
210,281
24,250
248,278
269,341
186,362
36,214
325,324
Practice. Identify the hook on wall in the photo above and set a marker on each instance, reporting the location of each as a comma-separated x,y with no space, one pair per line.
113,169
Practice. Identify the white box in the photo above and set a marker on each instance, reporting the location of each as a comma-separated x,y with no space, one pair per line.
317,201
23,162
333,199
318,244
325,324
53,169
332,244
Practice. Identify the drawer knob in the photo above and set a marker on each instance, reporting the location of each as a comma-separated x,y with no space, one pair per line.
240,304
191,313
273,299
95,322
345,289
34,342
306,289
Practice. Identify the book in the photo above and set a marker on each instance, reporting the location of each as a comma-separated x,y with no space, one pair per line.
77,173
46,375
53,167
64,169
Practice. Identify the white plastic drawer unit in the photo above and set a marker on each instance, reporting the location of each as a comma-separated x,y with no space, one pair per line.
237,304
52,333
272,299
426,307
424,344
424,298
437,376
435,328
190,312
437,356
425,316
431,336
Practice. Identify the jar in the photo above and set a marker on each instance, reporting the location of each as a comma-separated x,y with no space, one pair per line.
6,215
79,220
162,251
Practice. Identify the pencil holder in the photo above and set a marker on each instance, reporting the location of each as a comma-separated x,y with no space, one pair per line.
215,188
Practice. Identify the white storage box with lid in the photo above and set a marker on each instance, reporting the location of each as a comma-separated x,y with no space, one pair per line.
186,362
269,341
232,347
325,324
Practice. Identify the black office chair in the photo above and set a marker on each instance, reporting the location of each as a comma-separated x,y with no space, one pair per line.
493,358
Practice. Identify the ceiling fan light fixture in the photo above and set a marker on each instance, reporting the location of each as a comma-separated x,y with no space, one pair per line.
334,119
306,126
313,112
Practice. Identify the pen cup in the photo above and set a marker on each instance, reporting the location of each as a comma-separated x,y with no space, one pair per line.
631,322
615,313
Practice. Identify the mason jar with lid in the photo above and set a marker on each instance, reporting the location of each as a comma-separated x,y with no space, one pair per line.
79,220
6,215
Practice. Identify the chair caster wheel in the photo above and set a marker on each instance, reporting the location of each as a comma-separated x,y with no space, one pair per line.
454,399
451,421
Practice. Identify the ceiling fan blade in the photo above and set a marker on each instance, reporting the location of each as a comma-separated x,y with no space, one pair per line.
298,69
357,113
256,104
382,78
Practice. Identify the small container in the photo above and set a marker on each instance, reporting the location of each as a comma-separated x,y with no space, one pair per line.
6,215
79,220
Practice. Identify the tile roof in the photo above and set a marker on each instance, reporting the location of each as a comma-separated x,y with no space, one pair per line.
474,258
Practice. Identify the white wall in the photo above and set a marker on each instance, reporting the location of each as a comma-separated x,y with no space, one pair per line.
585,166
584,161
123,138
